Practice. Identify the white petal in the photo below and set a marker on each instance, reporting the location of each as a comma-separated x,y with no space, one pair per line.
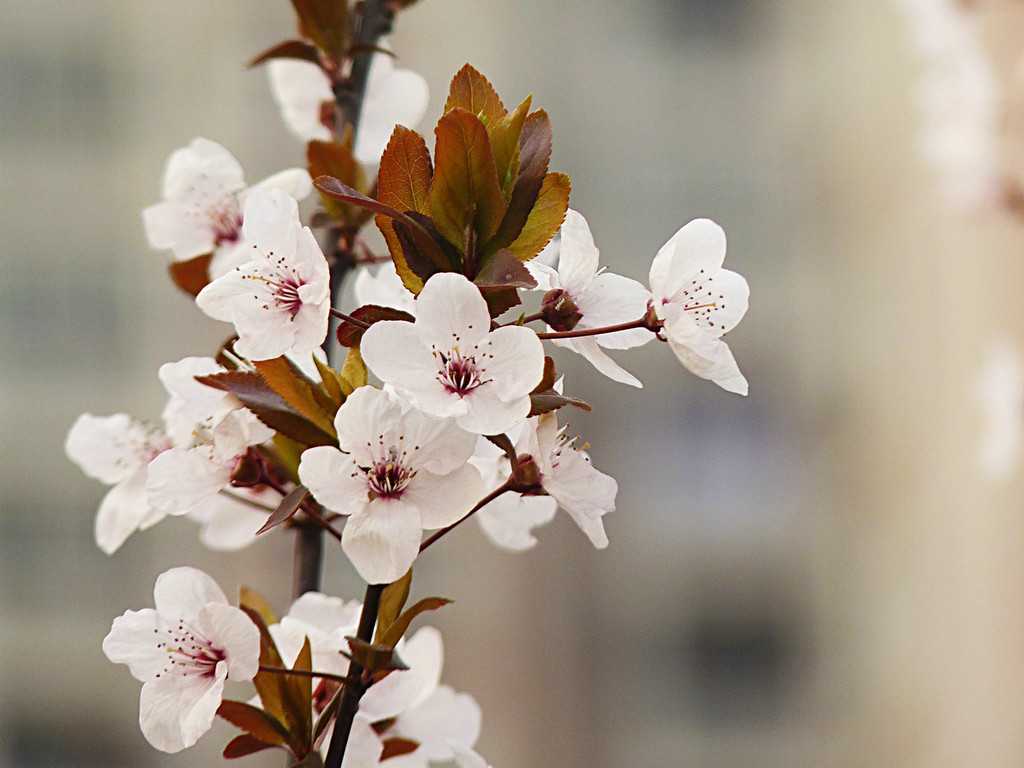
173,225
230,525
107,448
227,256
181,593
713,360
731,297
300,87
587,346
364,746
578,256
446,717
121,512
199,402
202,170
437,445
324,612
423,653
451,312
467,758
701,244
175,711
235,432
546,277
612,299
382,541
293,181
181,479
444,499
232,631
384,289
270,222
509,520
130,641
584,492
488,415
393,96
334,479
367,418
393,352
514,361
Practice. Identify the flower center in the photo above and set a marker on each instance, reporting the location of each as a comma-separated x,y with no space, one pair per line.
699,301
189,653
460,375
226,220
282,283
388,476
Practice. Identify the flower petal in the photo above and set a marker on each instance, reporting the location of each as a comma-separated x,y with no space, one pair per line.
204,170
423,653
299,88
173,225
364,746
334,479
467,758
712,359
589,349
577,256
612,299
295,182
583,492
106,448
515,361
393,96
509,520
229,525
174,711
181,479
130,641
446,717
487,415
230,630
700,245
382,541
392,350
444,499
181,593
121,512
451,312
270,223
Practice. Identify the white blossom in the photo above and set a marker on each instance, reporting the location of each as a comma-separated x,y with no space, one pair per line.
449,362
182,652
393,96
423,710
227,523
601,298
467,758
384,288
1000,392
959,100
116,450
204,194
397,473
326,621
279,301
698,302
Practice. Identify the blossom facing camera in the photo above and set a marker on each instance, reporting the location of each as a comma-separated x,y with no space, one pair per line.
397,473
450,364
116,450
279,300
204,193
698,302
182,652
589,297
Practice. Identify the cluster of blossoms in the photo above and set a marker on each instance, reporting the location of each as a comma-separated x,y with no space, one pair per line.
463,420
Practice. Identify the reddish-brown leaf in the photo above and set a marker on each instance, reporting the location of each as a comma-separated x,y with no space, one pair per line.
269,406
350,334
286,509
550,400
396,746
465,194
403,181
289,49
548,379
254,721
505,135
285,378
472,92
398,628
545,218
303,690
326,23
375,657
192,275
335,158
504,270
500,300
252,599
243,746
392,601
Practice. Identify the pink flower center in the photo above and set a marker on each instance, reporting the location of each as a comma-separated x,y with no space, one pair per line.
387,479
226,220
189,653
460,375
282,283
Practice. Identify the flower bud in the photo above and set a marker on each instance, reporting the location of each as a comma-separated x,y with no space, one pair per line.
559,310
525,475
248,471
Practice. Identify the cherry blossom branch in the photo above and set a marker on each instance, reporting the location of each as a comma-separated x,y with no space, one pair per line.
349,319
504,488
643,322
343,679
353,692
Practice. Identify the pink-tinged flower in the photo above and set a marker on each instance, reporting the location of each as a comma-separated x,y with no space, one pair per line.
393,96
116,450
384,288
204,195
509,520
326,621
415,706
182,653
190,404
698,302
589,297
567,475
467,758
227,523
397,473
279,301
450,364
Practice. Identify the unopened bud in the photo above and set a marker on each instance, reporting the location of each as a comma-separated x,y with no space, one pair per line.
248,470
525,474
559,310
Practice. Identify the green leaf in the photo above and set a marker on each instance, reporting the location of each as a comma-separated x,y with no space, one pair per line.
326,23
286,509
392,600
545,217
472,92
466,202
287,380
350,334
395,632
254,721
269,407
289,49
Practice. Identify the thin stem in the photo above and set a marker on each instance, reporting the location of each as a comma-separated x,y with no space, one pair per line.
507,486
641,323
348,318
523,320
321,521
248,502
343,679
354,691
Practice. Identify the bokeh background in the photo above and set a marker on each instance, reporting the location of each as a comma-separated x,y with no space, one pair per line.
818,575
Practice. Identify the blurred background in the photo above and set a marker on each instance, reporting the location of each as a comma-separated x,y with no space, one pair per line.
818,575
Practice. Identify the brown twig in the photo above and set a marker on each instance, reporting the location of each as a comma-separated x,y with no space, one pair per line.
504,488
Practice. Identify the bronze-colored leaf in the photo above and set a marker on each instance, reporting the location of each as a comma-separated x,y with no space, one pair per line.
289,49
193,275
375,657
472,92
287,380
353,371
392,601
505,135
550,376
545,402
326,23
504,270
350,334
286,455
396,746
286,509
466,202
403,181
303,686
500,300
254,721
269,407
330,381
243,746
545,218
335,158
395,632
254,600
